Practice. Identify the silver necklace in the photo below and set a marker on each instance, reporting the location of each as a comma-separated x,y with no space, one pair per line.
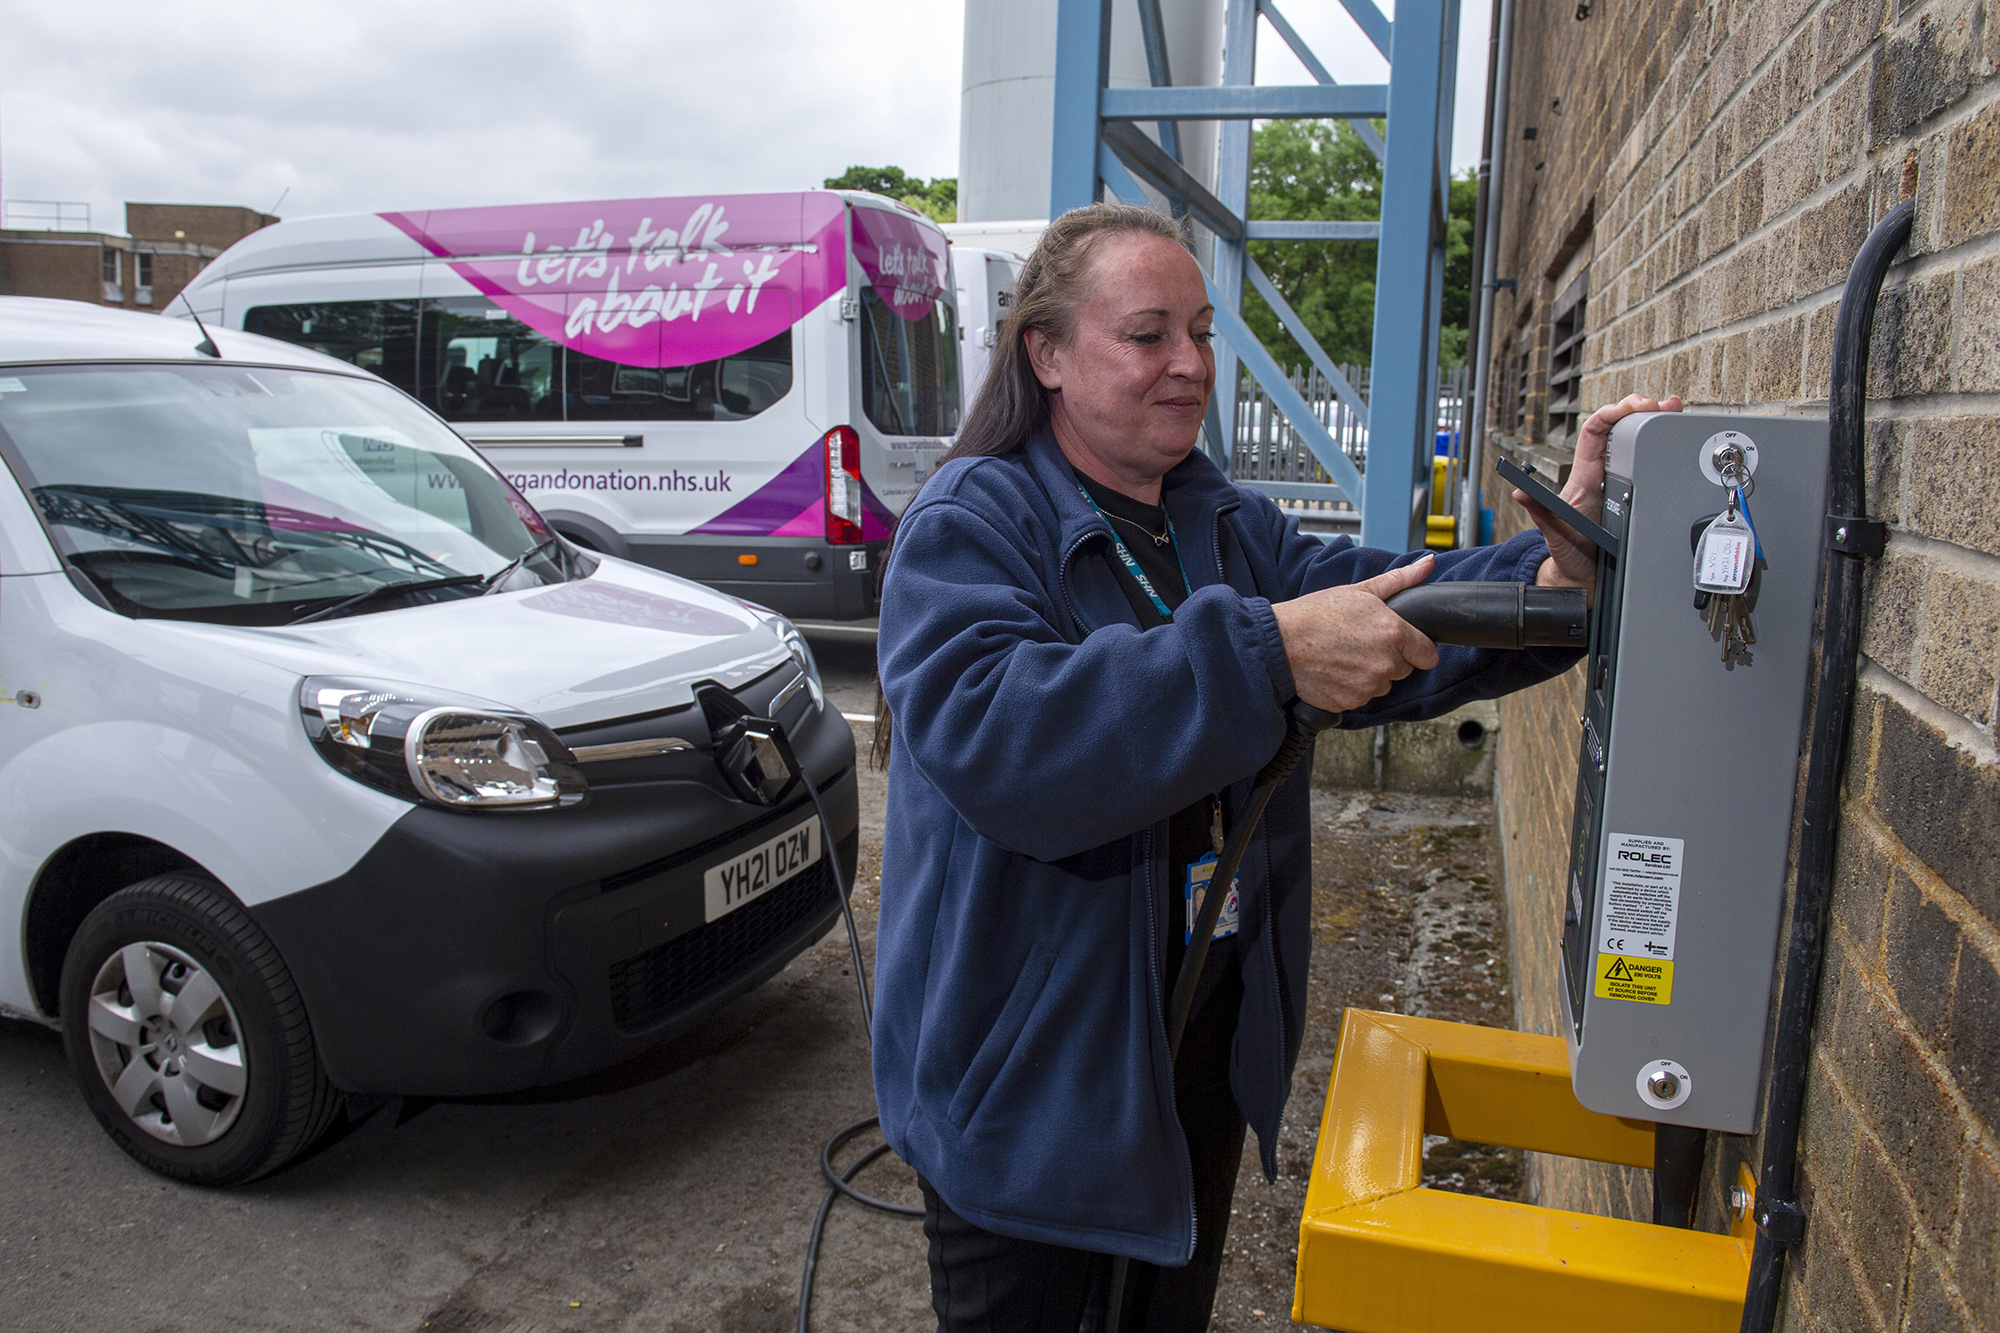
1159,538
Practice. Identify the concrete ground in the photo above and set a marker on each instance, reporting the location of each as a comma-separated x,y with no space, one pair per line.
676,1192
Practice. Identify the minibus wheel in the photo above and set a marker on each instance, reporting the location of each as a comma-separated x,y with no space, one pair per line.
188,1036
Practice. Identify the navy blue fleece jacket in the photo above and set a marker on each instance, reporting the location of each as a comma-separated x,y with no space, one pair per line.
1041,742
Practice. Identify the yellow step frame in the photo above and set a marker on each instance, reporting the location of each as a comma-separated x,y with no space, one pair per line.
1379,1253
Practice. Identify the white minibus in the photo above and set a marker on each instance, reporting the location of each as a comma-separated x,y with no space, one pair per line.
985,285
744,389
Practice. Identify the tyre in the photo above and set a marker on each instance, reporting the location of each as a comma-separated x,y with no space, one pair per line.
188,1038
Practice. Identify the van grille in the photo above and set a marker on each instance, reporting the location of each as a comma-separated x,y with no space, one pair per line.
652,986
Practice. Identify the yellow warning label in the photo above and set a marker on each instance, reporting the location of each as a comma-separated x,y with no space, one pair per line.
1643,980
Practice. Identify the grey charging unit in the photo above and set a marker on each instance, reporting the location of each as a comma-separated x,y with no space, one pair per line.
1689,763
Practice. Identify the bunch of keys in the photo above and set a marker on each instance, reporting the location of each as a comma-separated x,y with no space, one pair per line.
1725,560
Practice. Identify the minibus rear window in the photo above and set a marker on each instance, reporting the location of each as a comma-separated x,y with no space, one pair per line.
909,369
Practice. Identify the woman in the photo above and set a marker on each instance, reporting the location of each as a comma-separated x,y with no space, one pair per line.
1088,639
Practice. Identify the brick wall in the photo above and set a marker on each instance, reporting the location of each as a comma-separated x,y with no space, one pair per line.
1716,165
178,240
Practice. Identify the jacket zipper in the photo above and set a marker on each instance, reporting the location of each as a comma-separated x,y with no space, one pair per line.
1160,1023
1152,898
1157,1005
1264,845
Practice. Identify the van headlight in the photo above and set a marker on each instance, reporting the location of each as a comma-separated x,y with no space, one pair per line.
452,751
795,644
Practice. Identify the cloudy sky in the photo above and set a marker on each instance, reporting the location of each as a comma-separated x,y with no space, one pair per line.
367,105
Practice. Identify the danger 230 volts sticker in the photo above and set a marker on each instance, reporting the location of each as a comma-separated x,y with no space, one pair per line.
1642,902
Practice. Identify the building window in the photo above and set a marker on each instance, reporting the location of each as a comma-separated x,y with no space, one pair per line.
1566,325
114,284
144,290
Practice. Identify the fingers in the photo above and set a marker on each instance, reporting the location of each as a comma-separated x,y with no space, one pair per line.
1392,581
1418,651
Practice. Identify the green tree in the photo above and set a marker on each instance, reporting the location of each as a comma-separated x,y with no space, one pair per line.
937,199
1309,170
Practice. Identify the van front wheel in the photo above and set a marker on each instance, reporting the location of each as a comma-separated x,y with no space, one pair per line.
188,1036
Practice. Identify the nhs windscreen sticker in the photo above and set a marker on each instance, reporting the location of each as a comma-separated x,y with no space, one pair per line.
904,261
648,282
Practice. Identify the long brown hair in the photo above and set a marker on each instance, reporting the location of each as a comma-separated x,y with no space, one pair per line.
1012,404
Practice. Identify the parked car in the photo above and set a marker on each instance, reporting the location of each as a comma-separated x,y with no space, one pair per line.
328,768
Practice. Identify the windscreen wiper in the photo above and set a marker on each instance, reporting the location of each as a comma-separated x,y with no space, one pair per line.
494,580
383,590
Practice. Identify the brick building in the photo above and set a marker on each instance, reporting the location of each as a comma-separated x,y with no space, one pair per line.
168,244
1687,183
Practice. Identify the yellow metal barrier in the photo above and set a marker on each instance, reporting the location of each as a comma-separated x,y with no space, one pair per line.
1379,1253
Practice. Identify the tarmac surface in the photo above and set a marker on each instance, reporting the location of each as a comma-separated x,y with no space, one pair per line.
676,1192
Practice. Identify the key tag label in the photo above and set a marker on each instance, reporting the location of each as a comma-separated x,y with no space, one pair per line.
1725,558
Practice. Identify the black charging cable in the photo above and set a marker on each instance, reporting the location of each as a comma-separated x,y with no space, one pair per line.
1303,723
840,1181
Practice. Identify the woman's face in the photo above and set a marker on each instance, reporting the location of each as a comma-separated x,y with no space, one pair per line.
1130,387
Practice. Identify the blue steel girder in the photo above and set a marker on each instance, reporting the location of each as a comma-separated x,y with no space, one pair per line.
1232,188
1311,231
1151,163
1284,29
1301,101
1159,69
1094,145
1261,363
1402,392
1373,26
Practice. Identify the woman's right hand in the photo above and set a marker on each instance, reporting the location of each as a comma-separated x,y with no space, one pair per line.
1346,647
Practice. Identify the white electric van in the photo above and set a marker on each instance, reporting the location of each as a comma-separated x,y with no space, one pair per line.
741,389
327,768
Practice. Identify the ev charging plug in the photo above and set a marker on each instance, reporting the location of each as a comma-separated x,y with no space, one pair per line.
1497,615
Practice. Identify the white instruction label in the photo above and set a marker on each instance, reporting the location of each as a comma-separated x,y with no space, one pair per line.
1642,895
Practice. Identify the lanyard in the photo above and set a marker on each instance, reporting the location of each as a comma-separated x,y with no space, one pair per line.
1132,565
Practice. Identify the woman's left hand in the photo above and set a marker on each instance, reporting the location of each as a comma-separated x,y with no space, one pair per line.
1572,561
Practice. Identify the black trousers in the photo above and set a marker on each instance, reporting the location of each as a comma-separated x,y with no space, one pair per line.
986,1283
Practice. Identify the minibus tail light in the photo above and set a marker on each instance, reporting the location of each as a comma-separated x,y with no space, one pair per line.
843,486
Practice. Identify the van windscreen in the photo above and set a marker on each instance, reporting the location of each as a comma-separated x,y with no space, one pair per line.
909,368
256,496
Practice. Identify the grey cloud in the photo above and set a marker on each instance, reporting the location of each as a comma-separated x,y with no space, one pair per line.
371,105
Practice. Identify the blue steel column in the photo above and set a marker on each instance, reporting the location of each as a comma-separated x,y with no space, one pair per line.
1232,188
1402,405
1083,65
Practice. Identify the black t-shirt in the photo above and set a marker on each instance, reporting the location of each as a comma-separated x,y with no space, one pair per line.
1143,529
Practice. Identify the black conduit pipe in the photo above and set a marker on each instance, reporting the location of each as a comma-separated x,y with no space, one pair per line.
1851,536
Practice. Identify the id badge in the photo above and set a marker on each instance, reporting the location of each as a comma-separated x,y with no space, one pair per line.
1198,876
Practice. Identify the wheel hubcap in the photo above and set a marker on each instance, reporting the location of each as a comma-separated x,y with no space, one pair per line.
167,1044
